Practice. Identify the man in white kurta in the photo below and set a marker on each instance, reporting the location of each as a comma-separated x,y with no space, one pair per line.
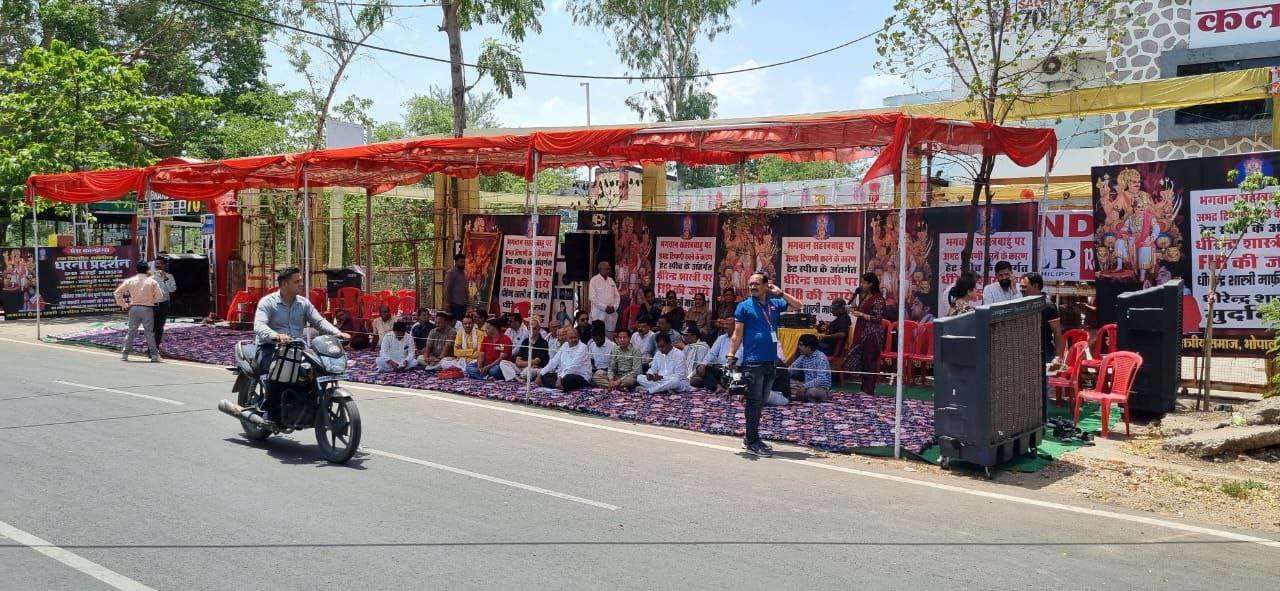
604,297
667,371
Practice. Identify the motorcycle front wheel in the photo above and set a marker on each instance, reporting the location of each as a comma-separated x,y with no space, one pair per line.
338,429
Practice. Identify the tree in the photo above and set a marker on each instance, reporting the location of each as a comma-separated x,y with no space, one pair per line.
347,25
497,60
1259,202
64,109
433,113
659,38
993,50
266,121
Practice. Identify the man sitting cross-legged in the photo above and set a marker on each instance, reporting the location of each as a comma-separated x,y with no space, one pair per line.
397,352
624,366
667,372
810,372
570,368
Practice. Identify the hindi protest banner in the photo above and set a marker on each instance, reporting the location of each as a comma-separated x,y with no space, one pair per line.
685,266
1014,247
73,280
1066,246
1247,280
816,271
513,286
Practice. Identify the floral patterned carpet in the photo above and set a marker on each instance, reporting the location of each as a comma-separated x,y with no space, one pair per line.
848,423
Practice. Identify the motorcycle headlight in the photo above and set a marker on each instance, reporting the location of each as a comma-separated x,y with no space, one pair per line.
335,364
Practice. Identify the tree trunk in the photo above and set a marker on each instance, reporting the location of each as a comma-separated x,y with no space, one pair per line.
1203,403
986,252
980,181
447,226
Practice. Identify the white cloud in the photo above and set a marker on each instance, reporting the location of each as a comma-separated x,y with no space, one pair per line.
738,94
813,95
871,90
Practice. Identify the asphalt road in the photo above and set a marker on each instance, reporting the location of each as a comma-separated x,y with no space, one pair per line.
100,489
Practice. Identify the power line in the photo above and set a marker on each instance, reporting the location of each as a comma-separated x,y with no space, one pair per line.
364,4
400,52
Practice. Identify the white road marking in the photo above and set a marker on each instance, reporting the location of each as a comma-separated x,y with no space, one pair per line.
494,479
75,561
1228,535
115,391
866,473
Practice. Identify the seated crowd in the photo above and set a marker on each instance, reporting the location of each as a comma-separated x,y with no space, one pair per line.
655,357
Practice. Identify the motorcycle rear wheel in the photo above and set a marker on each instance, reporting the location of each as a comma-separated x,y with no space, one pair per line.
245,398
338,429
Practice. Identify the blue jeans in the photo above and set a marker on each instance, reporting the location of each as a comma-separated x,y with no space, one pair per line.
760,376
473,372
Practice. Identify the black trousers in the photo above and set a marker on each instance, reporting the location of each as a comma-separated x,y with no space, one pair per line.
570,382
271,406
161,312
760,377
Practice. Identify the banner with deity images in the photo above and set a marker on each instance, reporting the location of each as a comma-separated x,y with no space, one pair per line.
821,259
932,268
748,243
1148,218
73,279
482,243
643,243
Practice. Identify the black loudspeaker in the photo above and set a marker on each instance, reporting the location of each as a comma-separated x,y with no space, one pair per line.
579,260
191,273
1149,323
989,396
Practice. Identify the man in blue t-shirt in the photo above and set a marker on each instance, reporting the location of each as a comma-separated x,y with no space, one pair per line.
755,328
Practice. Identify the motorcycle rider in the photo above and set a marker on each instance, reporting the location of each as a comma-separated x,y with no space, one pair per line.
283,316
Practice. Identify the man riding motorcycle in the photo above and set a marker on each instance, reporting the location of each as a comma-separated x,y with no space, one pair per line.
283,316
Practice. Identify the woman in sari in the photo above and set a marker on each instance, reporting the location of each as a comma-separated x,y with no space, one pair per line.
868,336
962,294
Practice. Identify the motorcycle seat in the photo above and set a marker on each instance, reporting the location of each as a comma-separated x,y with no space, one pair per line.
247,354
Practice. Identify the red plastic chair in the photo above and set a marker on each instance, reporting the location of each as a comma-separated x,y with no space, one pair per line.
1069,381
384,293
319,299
921,354
889,353
408,307
1115,380
408,293
1101,346
368,306
1073,336
349,299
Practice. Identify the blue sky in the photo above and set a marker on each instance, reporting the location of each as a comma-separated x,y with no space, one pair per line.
770,31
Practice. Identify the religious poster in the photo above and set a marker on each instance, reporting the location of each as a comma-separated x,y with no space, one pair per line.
514,288
685,265
483,239
73,280
821,259
748,244
1250,276
1066,246
1149,216
1014,247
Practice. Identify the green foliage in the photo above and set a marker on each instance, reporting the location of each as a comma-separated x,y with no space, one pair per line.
64,109
659,38
1270,312
769,169
432,113
550,181
1242,489
265,121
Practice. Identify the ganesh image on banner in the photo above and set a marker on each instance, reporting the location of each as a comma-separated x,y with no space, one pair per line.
1137,236
883,260
749,246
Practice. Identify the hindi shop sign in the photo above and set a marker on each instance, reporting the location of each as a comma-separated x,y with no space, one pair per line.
1014,247
513,288
685,266
73,280
816,271
1251,277
1066,246
1233,22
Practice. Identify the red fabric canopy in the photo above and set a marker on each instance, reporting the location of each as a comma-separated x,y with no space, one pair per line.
382,166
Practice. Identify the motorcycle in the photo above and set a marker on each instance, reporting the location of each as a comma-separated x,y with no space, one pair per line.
310,396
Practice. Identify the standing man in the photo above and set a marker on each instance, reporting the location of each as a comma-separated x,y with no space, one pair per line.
282,317
456,292
604,297
755,330
167,287
138,296
1003,289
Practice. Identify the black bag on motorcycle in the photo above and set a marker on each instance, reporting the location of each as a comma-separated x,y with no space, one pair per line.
286,368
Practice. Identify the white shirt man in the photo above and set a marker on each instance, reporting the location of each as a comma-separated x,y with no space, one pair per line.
997,292
694,354
397,350
571,366
518,333
643,341
667,371
604,297
601,354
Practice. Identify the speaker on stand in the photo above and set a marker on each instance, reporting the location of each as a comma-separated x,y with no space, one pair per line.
582,252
